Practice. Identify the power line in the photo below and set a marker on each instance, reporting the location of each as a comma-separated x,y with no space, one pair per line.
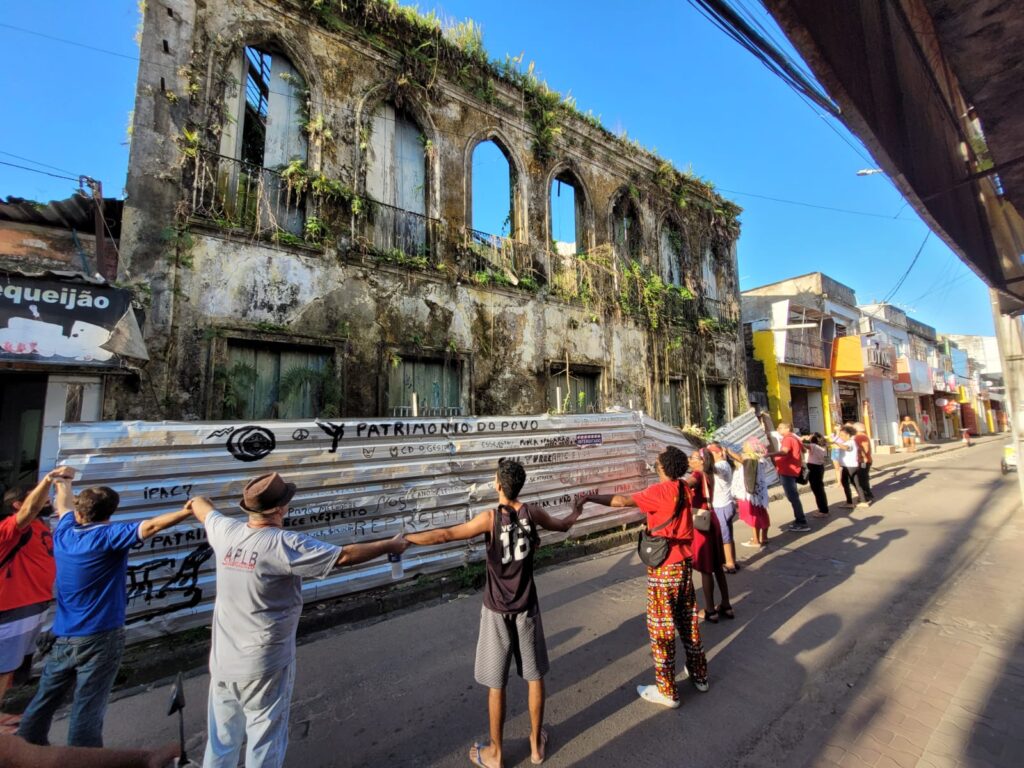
69,42
807,205
35,162
36,170
903,277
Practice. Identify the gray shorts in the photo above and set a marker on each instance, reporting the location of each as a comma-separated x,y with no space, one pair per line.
504,637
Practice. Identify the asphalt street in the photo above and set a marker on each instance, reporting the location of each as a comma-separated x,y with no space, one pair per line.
816,615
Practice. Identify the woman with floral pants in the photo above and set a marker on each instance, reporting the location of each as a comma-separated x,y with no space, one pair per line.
671,602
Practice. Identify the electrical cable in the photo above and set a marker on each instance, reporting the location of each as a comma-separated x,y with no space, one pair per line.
899,283
35,162
36,170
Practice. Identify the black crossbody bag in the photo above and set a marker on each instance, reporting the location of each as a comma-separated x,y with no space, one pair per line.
653,550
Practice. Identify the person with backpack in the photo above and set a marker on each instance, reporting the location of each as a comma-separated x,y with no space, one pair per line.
510,619
671,598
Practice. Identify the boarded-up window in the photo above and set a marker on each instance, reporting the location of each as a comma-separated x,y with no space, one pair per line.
671,255
396,173
437,384
672,412
579,391
278,382
709,275
626,238
715,405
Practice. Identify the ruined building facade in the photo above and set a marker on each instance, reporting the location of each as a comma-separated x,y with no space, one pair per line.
299,227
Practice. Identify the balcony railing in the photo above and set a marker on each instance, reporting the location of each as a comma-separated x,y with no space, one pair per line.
235,194
803,351
719,310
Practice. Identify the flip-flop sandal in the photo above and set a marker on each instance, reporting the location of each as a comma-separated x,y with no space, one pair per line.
543,747
476,759
731,571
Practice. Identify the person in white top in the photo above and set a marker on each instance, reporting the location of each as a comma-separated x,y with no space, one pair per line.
850,464
724,503
260,567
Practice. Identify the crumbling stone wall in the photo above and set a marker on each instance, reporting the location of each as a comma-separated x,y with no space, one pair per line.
506,327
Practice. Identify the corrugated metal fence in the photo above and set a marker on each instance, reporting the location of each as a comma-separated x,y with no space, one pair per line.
358,481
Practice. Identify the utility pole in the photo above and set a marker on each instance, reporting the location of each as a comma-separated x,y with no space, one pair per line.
1010,337
104,264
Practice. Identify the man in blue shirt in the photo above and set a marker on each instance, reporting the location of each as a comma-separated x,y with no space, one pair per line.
92,561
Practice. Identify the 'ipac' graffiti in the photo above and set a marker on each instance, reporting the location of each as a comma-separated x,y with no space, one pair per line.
184,581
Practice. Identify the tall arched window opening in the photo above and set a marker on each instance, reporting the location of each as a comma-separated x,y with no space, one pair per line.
626,240
566,206
670,253
493,202
262,138
396,178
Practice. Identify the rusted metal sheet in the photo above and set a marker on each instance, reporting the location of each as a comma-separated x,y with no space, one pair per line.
358,481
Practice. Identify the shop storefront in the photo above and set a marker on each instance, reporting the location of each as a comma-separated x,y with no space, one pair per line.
61,335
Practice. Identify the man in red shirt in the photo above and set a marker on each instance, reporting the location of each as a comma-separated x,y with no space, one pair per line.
788,463
27,572
864,459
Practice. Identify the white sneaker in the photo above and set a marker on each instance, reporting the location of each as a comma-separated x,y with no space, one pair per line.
652,694
702,687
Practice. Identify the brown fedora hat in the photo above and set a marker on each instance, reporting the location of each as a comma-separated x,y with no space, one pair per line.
266,492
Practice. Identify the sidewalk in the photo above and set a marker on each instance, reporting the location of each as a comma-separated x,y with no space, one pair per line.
950,692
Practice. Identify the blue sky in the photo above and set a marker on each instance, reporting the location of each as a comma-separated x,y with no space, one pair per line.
657,69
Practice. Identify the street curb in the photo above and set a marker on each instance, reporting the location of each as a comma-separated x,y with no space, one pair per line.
160,659
900,462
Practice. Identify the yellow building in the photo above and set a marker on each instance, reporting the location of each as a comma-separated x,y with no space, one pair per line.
799,392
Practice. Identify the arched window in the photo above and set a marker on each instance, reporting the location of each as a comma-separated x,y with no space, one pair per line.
626,239
565,199
493,193
396,177
670,253
709,275
263,136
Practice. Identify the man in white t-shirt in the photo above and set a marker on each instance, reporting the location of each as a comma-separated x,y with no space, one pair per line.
260,568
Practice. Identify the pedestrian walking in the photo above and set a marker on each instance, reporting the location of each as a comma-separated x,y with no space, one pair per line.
708,552
788,463
671,598
848,459
260,567
724,503
910,433
91,554
836,451
864,460
510,618
27,572
816,457
750,489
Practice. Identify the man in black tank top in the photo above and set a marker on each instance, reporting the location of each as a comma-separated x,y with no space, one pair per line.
510,624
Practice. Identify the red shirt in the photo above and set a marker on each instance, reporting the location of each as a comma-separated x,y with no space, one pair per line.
28,571
789,463
864,445
659,501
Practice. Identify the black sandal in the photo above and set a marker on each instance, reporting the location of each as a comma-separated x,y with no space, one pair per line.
727,612
711,616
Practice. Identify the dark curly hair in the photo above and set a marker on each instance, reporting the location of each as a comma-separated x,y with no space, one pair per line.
511,478
673,462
